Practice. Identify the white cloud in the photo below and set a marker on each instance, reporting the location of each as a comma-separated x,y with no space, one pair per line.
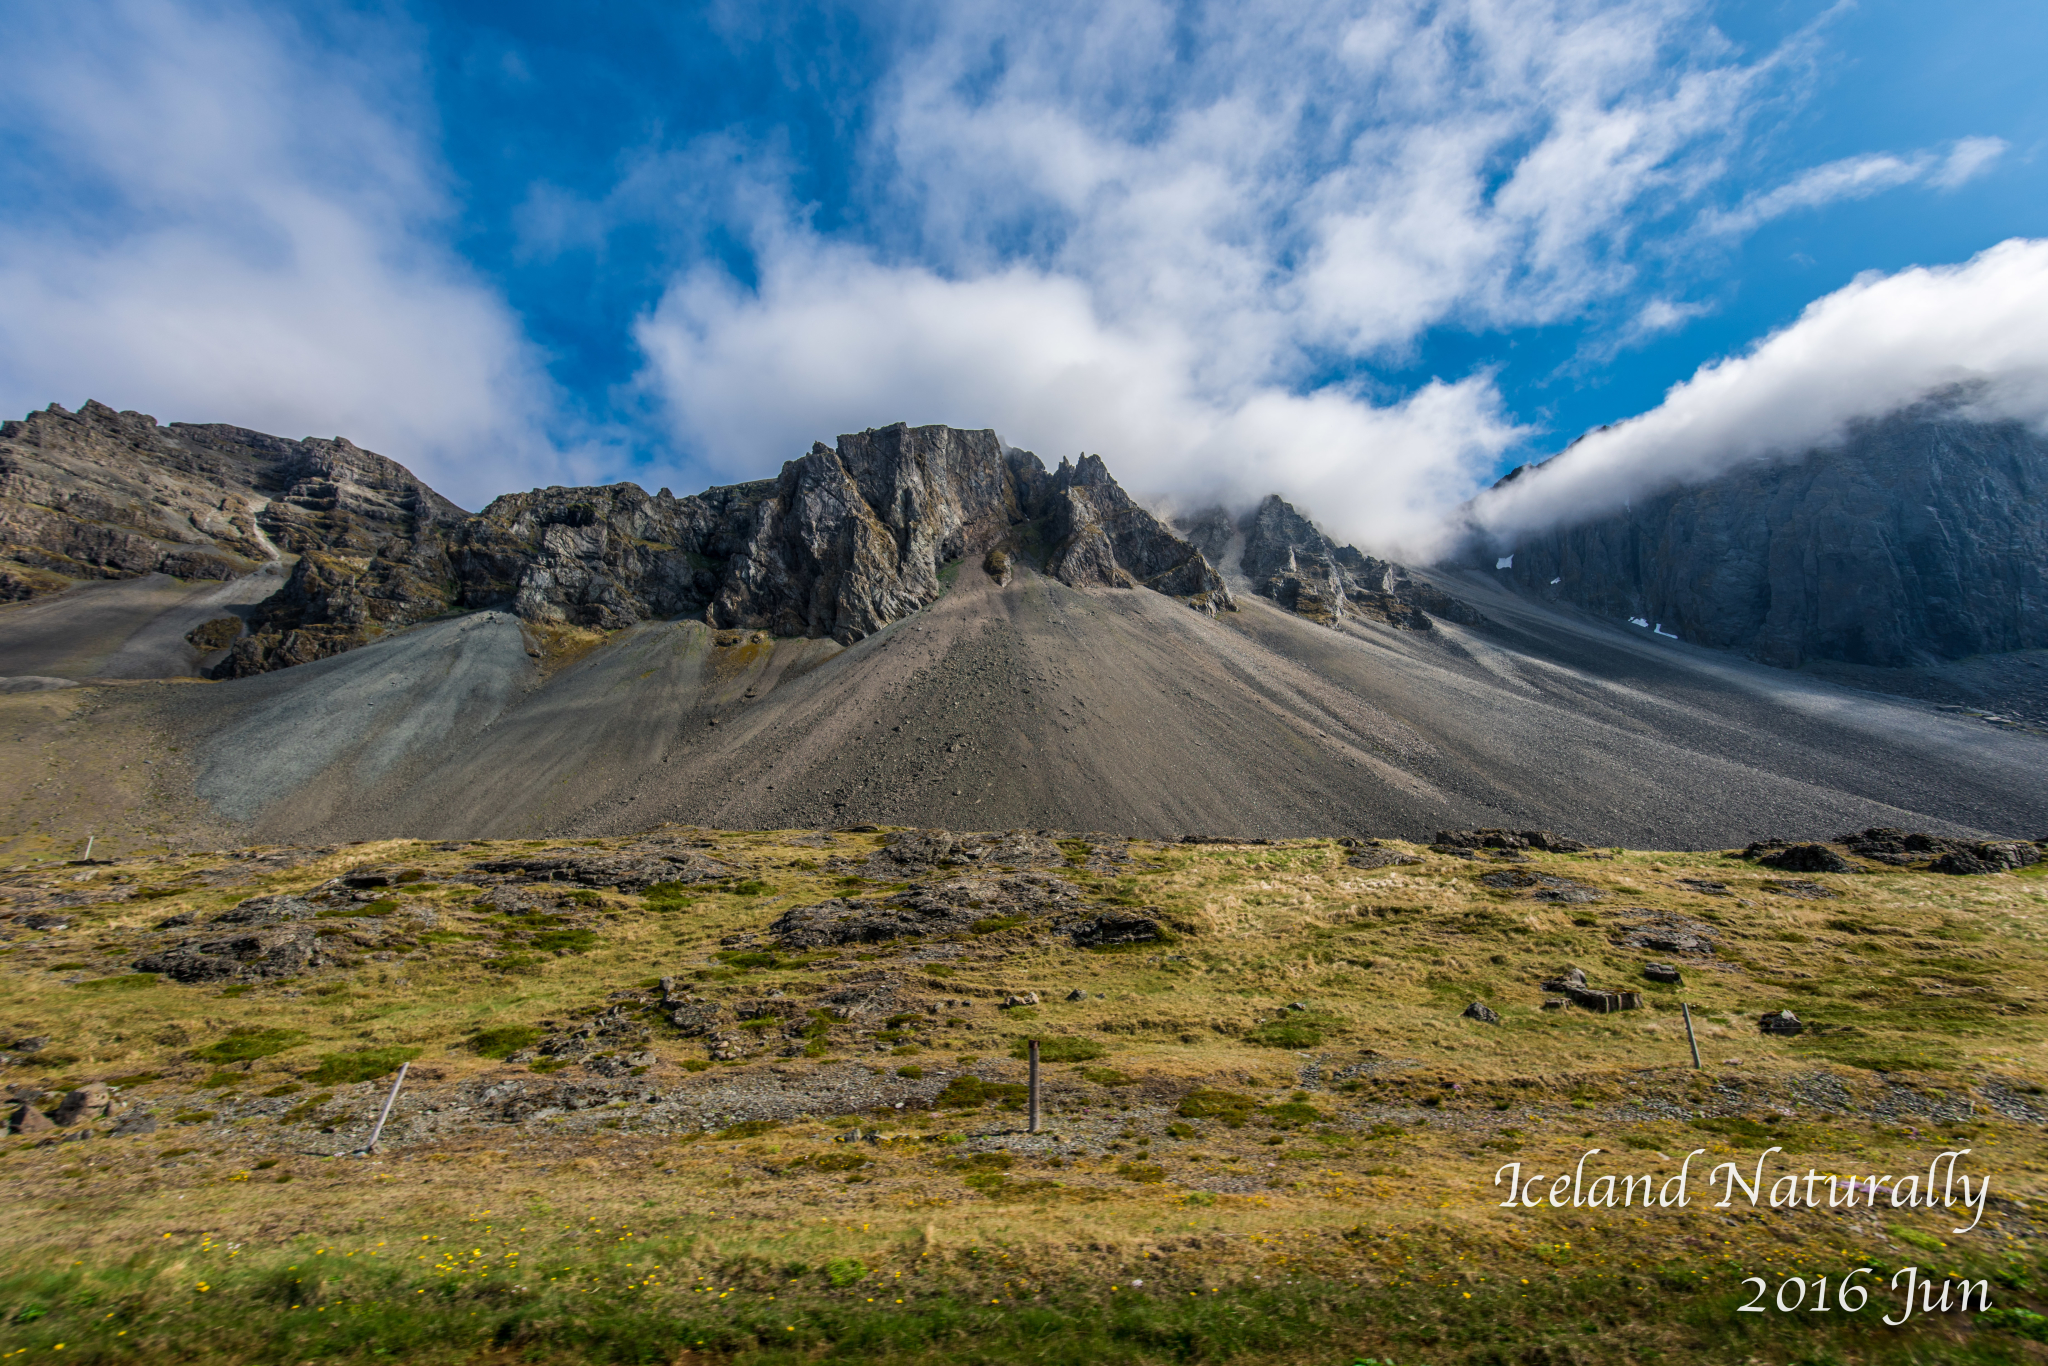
1849,178
1859,178
832,341
1967,160
235,227
1878,345
1159,232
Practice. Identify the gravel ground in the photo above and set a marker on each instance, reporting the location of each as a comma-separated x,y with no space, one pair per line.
1036,705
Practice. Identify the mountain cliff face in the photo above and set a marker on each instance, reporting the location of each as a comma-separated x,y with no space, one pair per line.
1288,560
98,494
842,542
1922,537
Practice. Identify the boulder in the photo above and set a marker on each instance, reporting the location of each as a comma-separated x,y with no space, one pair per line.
1781,1022
955,907
134,1124
1807,858
1572,983
1481,1012
87,1103
1508,839
627,871
1663,972
26,1119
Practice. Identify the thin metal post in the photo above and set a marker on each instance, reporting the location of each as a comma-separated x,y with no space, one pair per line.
1689,1035
1034,1088
389,1101
88,847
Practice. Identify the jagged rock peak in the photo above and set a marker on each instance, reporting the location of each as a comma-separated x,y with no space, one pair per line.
1288,559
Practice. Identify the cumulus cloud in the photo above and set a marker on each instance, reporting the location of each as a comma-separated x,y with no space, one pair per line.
829,333
1178,235
233,225
1871,348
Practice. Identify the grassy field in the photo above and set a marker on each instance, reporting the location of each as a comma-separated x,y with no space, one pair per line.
1271,1135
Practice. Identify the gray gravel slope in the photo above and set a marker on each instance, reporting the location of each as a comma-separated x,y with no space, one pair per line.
1038,705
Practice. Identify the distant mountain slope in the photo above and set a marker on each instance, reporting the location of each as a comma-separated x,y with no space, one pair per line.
1921,537
1030,703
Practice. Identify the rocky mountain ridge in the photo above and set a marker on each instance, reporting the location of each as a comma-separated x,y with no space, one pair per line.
843,541
1920,537
1287,559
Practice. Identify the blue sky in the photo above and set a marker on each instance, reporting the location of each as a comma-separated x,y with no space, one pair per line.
1366,254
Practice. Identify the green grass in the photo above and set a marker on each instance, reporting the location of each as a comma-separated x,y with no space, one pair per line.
503,1041
247,1043
134,981
1060,1048
366,1064
675,1298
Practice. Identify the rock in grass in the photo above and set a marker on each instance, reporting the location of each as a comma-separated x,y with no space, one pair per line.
1663,972
29,1120
1482,1012
1781,1022
1375,857
1110,928
85,1104
274,951
1808,858
1993,856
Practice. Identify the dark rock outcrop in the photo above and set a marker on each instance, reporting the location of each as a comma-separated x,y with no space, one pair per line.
1110,929
1665,932
254,955
1997,856
1288,560
1507,839
1807,858
1920,537
1572,983
960,906
628,872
